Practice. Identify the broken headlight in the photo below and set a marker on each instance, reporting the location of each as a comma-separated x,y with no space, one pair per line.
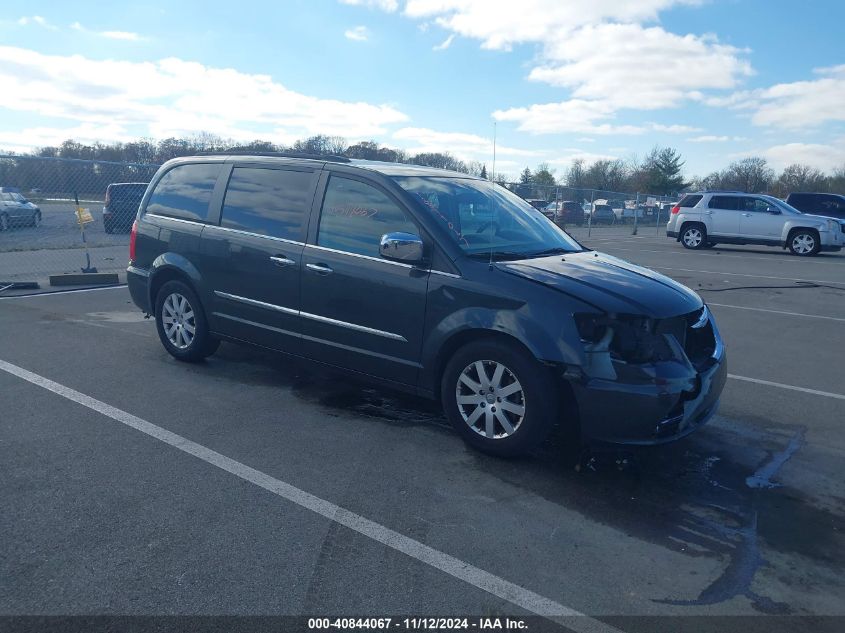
626,338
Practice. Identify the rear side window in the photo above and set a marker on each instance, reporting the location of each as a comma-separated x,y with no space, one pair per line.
355,215
730,203
689,201
185,191
269,202
801,201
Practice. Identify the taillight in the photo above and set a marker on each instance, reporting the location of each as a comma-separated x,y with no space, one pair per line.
676,209
108,195
132,235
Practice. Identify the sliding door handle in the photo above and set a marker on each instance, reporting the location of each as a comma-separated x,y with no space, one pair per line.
282,261
320,269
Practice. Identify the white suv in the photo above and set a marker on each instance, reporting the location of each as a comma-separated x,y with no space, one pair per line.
702,220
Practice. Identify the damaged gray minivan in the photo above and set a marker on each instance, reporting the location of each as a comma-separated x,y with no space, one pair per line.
430,281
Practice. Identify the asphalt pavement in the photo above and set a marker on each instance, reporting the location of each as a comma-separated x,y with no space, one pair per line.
255,485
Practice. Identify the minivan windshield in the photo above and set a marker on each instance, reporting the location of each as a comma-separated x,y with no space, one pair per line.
486,220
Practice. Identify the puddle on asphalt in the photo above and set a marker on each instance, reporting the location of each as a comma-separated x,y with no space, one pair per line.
713,494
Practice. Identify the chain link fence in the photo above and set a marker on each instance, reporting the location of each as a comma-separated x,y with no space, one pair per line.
41,235
40,232
582,210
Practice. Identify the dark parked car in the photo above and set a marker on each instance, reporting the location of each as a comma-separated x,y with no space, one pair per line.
565,212
603,214
121,205
831,205
430,281
15,210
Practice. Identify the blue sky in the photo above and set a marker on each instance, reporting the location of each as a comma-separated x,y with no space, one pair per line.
718,79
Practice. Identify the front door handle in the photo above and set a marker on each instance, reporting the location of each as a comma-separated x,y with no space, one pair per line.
320,269
282,261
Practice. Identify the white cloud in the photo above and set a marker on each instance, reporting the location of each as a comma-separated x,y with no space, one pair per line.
445,43
121,35
500,24
710,138
172,96
631,66
600,51
673,129
357,34
37,19
385,5
796,105
823,157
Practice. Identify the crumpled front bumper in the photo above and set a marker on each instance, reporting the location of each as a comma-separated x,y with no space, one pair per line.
651,404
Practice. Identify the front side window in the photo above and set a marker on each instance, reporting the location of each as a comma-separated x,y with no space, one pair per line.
269,202
756,205
185,191
487,220
355,215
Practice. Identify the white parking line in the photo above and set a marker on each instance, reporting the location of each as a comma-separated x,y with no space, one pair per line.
53,293
797,314
499,587
719,272
780,385
766,257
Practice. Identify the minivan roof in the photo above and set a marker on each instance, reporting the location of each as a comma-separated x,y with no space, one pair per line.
387,169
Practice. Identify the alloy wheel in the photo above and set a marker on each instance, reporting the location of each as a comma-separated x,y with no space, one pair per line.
490,399
179,321
693,237
803,243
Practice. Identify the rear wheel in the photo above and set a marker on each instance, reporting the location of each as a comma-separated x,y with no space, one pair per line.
804,242
181,323
499,398
694,236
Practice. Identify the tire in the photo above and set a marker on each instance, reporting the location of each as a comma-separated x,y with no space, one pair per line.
524,384
36,219
4,222
177,303
804,243
710,244
693,236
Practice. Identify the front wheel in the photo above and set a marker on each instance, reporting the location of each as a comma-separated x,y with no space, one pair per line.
804,243
181,323
36,219
694,237
499,398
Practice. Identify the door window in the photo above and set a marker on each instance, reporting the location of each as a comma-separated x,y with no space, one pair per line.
270,202
185,191
728,203
755,205
355,215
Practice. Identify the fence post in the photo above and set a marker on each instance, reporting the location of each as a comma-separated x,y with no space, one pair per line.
590,217
636,213
657,222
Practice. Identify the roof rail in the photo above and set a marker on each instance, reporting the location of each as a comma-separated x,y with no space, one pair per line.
325,157
721,191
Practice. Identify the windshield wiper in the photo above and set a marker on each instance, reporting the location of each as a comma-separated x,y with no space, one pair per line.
557,250
498,255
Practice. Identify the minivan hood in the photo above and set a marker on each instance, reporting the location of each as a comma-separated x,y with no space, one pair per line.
608,283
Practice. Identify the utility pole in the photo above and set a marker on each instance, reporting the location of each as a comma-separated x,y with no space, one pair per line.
493,172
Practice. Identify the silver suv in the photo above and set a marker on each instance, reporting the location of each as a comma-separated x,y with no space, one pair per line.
702,220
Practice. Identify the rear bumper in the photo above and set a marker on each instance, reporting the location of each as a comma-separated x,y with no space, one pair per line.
672,234
138,281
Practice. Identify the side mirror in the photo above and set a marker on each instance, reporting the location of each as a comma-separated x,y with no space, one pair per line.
401,247
774,210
